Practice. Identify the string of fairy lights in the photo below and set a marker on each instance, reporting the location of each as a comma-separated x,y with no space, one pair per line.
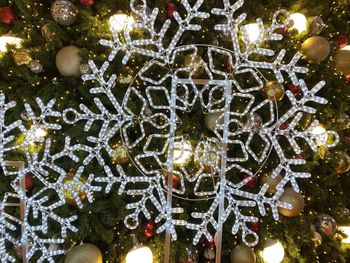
120,22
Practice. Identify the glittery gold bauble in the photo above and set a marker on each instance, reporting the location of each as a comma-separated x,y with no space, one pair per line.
343,162
68,61
267,179
316,49
68,195
195,67
342,60
211,118
120,154
84,253
46,32
209,158
22,57
295,199
63,12
243,254
274,90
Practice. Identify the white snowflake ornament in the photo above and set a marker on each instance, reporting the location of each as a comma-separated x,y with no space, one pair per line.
41,208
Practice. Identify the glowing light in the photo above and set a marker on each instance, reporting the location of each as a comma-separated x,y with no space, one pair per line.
182,152
139,254
39,132
35,133
346,230
9,40
120,22
300,22
253,31
273,251
321,135
346,48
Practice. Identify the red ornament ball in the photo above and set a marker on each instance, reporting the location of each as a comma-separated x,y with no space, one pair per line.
298,156
282,31
284,126
342,41
252,183
7,15
149,228
87,2
210,244
170,9
29,181
176,181
255,226
348,79
227,66
294,89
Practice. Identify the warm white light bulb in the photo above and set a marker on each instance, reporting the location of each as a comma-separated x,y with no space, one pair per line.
273,251
300,22
253,31
35,133
39,132
121,22
182,152
9,40
139,254
321,135
346,230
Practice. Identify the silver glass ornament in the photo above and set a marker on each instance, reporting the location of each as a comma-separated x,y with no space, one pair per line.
35,66
326,225
63,12
84,69
344,212
317,25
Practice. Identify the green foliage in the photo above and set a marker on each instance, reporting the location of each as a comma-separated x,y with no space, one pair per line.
101,223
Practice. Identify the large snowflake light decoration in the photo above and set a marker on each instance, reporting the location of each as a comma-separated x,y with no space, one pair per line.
246,136
164,90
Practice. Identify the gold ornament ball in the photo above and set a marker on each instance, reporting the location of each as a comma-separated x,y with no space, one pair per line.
342,60
316,49
295,199
243,254
120,154
68,195
68,61
210,120
274,91
84,253
22,57
209,254
267,179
